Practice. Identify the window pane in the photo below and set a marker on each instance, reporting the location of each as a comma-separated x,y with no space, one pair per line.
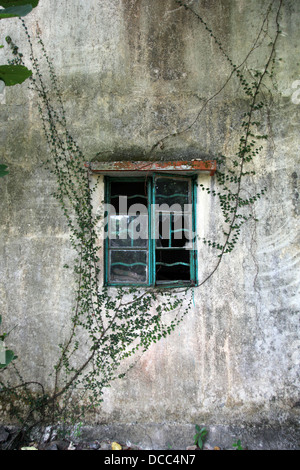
172,265
172,191
174,230
123,194
128,231
128,266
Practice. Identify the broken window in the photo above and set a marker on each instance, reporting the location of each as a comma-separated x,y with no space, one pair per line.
150,231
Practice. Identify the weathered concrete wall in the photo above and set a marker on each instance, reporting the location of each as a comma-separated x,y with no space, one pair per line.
131,72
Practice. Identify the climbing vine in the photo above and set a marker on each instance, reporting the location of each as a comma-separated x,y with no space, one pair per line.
108,329
232,172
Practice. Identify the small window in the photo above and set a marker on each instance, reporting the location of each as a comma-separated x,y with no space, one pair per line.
150,231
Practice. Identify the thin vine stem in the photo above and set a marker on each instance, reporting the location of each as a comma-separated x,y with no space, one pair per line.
256,93
234,71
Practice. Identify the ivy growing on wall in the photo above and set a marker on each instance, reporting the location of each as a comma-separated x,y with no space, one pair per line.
234,172
108,327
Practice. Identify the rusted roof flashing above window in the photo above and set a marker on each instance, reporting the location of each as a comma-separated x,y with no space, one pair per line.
143,167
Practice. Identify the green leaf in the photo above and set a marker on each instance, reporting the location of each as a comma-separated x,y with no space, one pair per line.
10,3
3,172
9,356
15,11
14,74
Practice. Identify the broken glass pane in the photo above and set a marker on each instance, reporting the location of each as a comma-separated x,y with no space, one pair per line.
173,230
172,265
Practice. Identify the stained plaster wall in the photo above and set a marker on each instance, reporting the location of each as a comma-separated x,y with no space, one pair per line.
131,72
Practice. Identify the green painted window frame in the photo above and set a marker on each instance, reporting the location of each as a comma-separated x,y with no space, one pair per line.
151,264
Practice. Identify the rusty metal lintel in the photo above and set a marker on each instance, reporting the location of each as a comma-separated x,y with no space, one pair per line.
190,166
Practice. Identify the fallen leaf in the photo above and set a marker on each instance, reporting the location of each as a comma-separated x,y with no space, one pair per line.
116,446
